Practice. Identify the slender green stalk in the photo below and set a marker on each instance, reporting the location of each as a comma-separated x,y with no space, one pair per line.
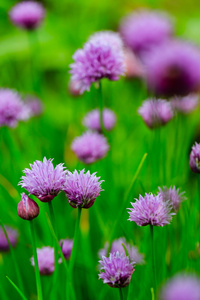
70,288
52,218
17,289
121,294
19,278
153,257
152,294
100,98
198,198
37,273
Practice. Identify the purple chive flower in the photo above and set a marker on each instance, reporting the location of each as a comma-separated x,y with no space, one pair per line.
100,58
118,270
186,104
195,158
92,119
34,105
181,287
46,260
134,67
27,14
74,88
27,208
12,109
173,196
82,188
151,210
155,113
66,246
173,69
135,257
144,29
90,146
13,238
43,181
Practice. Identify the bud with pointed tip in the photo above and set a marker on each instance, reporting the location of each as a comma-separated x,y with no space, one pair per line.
27,208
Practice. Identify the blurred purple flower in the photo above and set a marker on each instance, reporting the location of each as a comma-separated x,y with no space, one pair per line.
173,69
118,270
134,67
100,58
195,158
151,210
12,236
43,181
66,246
135,257
144,29
34,105
92,119
186,104
173,196
155,113
181,287
90,146
27,14
109,37
74,88
27,208
46,260
82,188
12,109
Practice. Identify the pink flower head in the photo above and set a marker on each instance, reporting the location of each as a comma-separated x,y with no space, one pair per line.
173,196
151,210
195,158
12,236
82,188
144,29
66,246
27,14
43,181
173,69
101,57
186,104
46,260
155,113
134,67
92,119
90,147
117,269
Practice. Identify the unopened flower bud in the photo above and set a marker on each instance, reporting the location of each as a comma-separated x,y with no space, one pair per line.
27,208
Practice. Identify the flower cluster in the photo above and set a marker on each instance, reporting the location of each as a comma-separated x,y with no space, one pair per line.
27,14
185,104
92,119
12,236
151,210
82,188
195,158
173,196
66,247
46,260
118,270
101,57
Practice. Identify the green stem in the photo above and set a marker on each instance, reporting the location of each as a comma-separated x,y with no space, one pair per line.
121,294
37,273
52,218
198,198
17,289
19,278
100,98
70,288
153,257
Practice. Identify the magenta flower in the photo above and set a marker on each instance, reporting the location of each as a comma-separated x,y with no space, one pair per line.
90,147
155,113
186,104
173,69
46,260
151,210
100,58
92,119
34,105
135,257
173,196
144,29
195,158
43,181
12,236
181,287
118,270
27,208
27,14
82,188
66,246
12,109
